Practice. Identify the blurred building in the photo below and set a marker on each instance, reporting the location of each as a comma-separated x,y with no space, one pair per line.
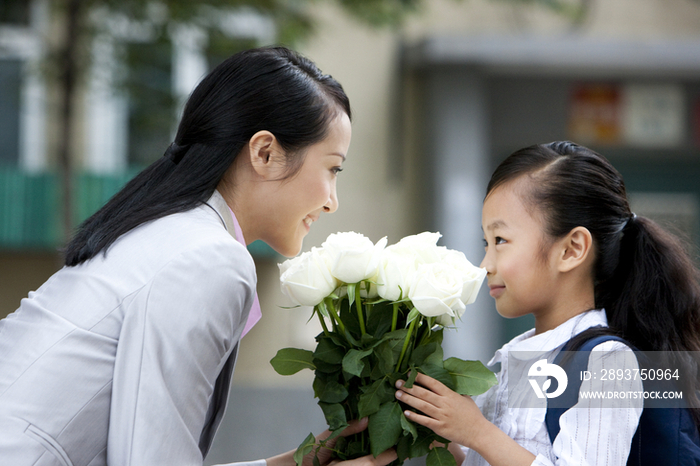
437,104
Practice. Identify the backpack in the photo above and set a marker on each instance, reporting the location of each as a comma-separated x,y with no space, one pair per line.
664,436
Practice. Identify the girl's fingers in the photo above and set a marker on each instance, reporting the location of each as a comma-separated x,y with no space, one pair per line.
415,402
425,421
432,384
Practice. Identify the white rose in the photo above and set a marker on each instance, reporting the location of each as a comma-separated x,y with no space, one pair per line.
307,279
352,256
471,275
423,245
436,290
397,265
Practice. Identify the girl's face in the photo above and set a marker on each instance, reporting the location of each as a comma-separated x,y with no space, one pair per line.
520,272
296,203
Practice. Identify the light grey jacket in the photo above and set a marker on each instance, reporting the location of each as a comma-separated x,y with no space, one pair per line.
126,359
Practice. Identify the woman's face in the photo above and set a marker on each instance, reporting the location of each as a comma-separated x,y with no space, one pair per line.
297,202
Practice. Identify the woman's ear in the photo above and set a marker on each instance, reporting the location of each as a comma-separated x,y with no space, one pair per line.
576,248
265,154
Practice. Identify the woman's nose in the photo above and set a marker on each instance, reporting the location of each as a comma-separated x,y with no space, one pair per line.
332,204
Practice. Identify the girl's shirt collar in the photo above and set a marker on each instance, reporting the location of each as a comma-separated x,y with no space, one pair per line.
552,339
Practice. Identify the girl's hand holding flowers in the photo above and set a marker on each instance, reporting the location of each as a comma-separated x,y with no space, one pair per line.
448,414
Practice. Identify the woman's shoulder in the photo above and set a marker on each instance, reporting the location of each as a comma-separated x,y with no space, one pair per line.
198,229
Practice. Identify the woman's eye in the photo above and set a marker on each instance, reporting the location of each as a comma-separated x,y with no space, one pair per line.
336,170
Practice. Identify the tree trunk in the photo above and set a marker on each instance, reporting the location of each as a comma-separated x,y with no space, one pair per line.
67,84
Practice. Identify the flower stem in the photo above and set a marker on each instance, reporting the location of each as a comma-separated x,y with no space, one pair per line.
395,318
334,315
323,324
405,343
358,304
428,329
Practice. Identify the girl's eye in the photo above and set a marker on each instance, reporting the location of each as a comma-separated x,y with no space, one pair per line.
486,243
500,240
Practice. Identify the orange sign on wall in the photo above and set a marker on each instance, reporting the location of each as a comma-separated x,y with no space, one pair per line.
595,114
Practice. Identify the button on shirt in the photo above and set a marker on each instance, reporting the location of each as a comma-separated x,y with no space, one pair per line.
594,432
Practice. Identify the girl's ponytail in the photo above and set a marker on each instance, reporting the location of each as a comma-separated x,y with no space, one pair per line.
653,298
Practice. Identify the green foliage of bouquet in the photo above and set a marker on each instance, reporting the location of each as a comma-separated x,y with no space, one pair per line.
383,311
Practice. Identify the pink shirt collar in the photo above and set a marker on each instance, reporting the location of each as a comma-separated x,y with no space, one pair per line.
255,310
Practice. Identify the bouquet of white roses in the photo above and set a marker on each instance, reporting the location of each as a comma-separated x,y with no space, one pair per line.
382,310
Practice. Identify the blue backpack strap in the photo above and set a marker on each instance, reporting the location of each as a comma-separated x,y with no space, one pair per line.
665,436
574,364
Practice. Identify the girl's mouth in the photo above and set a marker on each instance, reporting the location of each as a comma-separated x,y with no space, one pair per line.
496,290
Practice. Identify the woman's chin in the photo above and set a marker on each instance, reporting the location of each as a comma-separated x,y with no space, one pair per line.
287,250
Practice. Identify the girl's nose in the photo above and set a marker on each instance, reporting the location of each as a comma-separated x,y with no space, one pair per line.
486,263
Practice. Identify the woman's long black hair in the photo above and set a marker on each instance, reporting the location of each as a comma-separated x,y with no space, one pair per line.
271,88
644,279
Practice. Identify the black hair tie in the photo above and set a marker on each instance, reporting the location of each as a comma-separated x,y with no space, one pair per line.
176,152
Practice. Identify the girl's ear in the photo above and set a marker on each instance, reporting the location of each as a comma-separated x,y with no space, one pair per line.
576,249
266,154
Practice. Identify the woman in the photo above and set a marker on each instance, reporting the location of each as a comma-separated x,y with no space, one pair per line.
124,356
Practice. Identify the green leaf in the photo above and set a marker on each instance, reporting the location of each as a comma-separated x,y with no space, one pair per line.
329,391
413,315
328,351
435,359
368,340
396,335
385,427
289,361
322,310
339,340
351,293
352,362
356,448
408,427
470,377
304,448
403,447
438,373
379,321
334,414
352,325
420,353
413,373
373,396
421,447
388,353
440,456
326,368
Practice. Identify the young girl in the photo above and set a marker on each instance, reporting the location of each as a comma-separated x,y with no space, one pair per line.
563,245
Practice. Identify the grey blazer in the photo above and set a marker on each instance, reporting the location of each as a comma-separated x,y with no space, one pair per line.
126,359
